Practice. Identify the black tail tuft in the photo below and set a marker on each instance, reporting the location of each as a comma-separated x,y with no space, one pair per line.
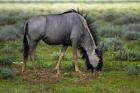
25,42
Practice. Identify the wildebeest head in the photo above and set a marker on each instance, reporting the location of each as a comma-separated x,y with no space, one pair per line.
96,60
91,59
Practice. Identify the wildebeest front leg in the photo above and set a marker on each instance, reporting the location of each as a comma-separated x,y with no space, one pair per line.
57,67
75,57
32,54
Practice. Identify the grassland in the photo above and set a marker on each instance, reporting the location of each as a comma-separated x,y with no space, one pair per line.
118,76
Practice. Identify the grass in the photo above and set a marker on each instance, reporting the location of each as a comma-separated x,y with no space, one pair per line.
108,82
114,78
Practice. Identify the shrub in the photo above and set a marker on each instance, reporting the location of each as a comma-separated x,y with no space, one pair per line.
113,44
132,35
132,71
41,61
132,27
8,17
135,70
7,50
127,54
111,31
6,73
55,56
6,60
110,15
127,19
9,33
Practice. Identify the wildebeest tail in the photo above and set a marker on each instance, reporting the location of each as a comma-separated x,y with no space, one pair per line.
25,42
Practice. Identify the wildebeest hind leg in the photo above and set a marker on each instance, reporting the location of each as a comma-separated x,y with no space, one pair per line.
24,66
57,67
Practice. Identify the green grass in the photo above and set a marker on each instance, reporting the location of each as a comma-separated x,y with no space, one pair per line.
108,82
114,78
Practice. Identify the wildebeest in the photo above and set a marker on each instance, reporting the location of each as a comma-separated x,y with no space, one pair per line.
68,29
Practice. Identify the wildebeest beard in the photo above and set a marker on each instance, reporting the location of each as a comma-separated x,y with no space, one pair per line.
87,62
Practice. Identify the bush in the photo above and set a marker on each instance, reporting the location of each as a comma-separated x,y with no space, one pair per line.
132,27
132,71
110,15
9,33
6,60
113,44
132,35
135,70
6,73
7,50
8,17
55,56
127,19
111,31
127,55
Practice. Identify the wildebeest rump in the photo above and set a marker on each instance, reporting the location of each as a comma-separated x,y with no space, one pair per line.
68,29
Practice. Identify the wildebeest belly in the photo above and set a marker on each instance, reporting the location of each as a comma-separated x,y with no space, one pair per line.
53,39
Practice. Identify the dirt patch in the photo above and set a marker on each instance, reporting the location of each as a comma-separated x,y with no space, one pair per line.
41,76
45,76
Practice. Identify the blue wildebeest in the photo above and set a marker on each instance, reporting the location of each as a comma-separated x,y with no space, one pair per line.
68,29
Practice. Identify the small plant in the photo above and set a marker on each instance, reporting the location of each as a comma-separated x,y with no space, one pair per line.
6,73
135,70
111,31
132,35
110,15
7,50
55,56
132,27
132,71
127,19
9,33
113,44
6,60
127,54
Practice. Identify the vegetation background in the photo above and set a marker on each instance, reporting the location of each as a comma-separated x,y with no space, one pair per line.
117,24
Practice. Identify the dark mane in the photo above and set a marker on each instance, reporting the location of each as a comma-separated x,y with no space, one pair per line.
69,11
92,28
89,21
